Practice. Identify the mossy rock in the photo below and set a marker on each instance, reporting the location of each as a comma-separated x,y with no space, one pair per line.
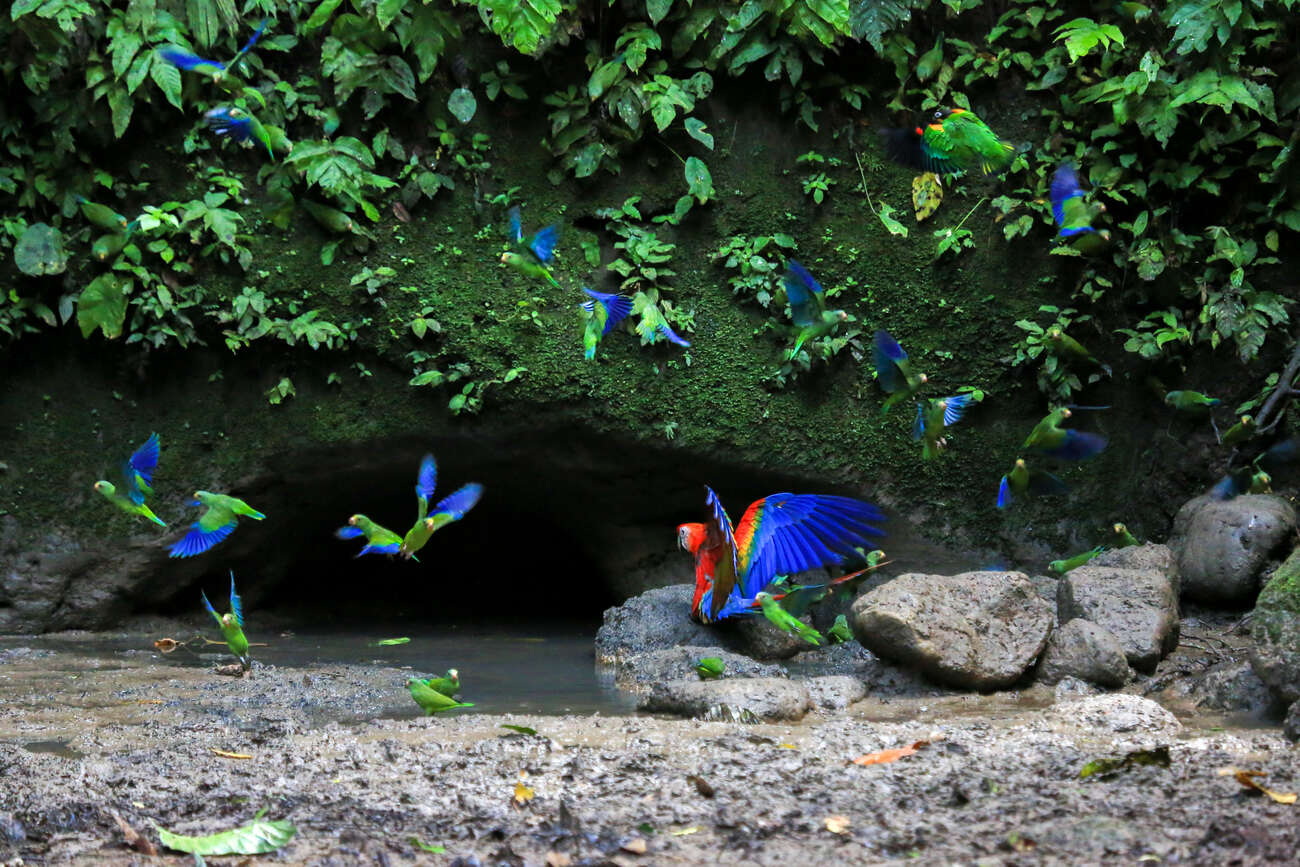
1276,631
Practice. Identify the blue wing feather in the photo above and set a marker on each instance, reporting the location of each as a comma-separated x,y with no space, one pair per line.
918,426
724,527
252,40
461,501
427,481
145,458
222,122
886,353
798,532
801,291
516,230
198,540
188,61
380,549
208,605
1078,446
543,243
956,408
671,335
348,532
617,307
1065,186
1004,493
236,604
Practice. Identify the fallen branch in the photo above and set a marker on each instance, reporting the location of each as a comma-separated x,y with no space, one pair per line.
1284,389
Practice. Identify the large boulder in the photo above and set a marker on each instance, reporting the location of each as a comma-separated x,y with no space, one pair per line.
1139,606
1223,546
1087,651
1115,713
1275,628
976,630
742,699
655,620
1291,725
678,663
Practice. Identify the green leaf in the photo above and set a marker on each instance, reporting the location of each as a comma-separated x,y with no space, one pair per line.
427,847
604,77
872,20
320,16
121,104
429,377
462,104
40,252
887,219
695,129
168,79
523,730
457,402
387,10
698,180
391,642
102,305
255,838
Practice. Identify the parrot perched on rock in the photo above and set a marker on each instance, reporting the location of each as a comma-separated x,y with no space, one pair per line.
1022,481
840,631
953,141
1074,214
783,619
1060,567
1065,346
215,524
242,126
534,253
1049,438
1257,477
781,534
1123,538
932,417
430,700
137,482
232,624
214,69
102,216
604,313
808,307
448,685
710,667
893,370
379,540
452,508
1191,401
1239,432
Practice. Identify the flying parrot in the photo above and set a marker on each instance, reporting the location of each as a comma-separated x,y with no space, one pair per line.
604,313
1123,538
102,215
534,253
1060,567
448,685
783,619
1022,481
840,631
781,534
430,700
954,141
1073,214
1063,345
932,417
452,508
215,524
653,325
1239,432
894,371
1191,401
137,482
242,126
379,540
232,624
1257,477
1049,438
710,667
808,307
214,69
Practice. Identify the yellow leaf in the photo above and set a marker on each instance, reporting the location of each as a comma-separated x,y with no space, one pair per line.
838,824
1247,779
636,846
227,755
787,746
927,194
523,794
694,829
884,757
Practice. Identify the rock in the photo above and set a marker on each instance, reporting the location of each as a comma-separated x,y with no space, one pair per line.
762,639
677,663
1071,688
977,630
11,829
1116,713
835,692
1148,557
880,679
1275,629
655,620
1138,606
1084,650
1222,546
1229,686
1096,839
742,699
1291,725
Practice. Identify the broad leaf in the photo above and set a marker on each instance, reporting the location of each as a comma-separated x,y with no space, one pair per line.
255,838
102,305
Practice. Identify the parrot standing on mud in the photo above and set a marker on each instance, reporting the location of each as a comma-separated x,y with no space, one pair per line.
1239,432
232,624
1074,214
954,141
448,685
783,619
430,700
932,417
781,534
808,307
1049,438
1022,481
604,313
840,631
452,508
535,253
1060,567
1123,538
893,370
1257,476
137,482
379,540
215,524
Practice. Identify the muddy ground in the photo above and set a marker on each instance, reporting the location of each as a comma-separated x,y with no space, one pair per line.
83,737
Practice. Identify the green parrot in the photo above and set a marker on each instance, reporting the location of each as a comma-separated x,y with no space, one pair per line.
709,667
783,619
1191,401
604,311
1062,344
379,540
932,417
450,509
1060,567
1123,538
215,524
533,253
232,624
448,685
108,246
430,700
1049,438
1239,432
241,125
137,482
330,219
808,307
953,141
893,370
1022,481
102,215
840,631
1074,214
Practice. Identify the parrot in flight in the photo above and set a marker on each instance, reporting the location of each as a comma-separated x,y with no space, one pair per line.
1073,214
1066,346
840,631
783,619
779,534
232,624
452,508
430,700
448,685
932,417
215,524
710,667
242,126
653,325
1022,481
102,216
605,312
1123,538
1060,567
534,253
954,141
894,371
808,307
1239,432
137,482
379,540
1257,476
214,69
1191,401
1049,438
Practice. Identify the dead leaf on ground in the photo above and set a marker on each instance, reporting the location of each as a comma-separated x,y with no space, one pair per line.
229,755
884,757
636,846
1247,779
166,645
927,195
701,785
1019,842
523,794
558,859
133,839
149,701
838,824
1158,757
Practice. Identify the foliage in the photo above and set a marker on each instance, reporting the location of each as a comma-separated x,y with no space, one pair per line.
1055,377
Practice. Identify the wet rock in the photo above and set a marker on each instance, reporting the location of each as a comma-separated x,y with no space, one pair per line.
976,630
835,692
1071,688
751,699
1122,714
1097,838
1275,629
1291,725
1149,557
11,829
1222,546
655,620
1138,606
678,663
1229,686
762,639
1084,650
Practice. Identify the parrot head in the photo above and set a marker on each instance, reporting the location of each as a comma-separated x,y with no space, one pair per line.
227,619
762,596
1020,463
354,520
105,488
874,558
429,522
922,378
512,259
453,675
1120,528
690,537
